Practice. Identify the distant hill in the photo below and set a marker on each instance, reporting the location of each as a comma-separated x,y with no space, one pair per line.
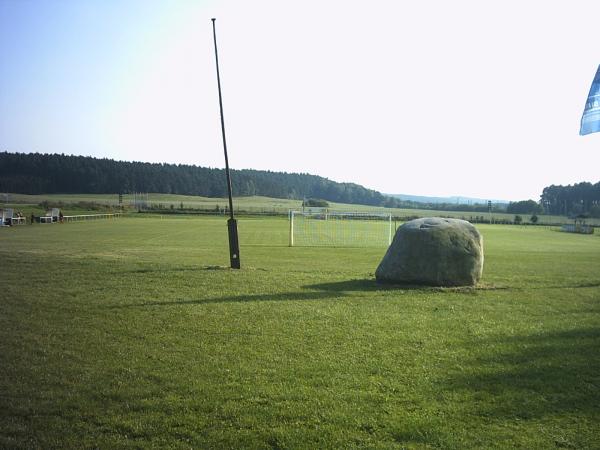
35,173
446,200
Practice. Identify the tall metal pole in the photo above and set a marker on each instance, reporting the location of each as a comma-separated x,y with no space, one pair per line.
234,246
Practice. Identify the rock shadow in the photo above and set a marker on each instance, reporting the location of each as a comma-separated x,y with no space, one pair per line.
371,284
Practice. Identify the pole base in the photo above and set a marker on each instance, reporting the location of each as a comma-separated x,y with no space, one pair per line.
234,245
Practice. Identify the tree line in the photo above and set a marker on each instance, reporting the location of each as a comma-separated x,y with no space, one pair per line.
577,199
524,207
35,173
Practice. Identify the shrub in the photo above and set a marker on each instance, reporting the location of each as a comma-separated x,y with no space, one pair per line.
316,203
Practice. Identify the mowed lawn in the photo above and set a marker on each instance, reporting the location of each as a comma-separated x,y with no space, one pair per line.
132,333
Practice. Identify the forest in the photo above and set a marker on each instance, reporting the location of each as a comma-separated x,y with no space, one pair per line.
36,173
577,199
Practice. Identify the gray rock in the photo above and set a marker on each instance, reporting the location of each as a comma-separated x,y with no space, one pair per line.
433,251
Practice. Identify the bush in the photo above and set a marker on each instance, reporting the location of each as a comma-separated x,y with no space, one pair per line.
518,220
316,203
524,207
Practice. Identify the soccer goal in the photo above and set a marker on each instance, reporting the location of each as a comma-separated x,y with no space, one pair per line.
340,229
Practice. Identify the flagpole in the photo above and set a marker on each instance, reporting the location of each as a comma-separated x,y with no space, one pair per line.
234,246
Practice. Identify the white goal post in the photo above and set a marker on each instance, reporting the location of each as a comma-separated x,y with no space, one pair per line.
340,229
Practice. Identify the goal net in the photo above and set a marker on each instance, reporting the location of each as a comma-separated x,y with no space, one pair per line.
340,229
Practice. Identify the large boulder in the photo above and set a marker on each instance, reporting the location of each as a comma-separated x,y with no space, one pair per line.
433,251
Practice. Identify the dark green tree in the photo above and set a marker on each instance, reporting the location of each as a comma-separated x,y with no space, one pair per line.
524,207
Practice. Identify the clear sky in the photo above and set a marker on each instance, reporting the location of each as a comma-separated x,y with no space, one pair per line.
435,97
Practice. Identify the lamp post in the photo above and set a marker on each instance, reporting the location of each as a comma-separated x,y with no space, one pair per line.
234,245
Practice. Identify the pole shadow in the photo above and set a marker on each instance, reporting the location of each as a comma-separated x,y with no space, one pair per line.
243,298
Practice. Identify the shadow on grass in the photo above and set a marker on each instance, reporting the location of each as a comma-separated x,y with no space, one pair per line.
158,270
370,285
362,285
319,291
332,290
243,298
529,377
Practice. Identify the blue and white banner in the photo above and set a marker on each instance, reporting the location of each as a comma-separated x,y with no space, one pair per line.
590,121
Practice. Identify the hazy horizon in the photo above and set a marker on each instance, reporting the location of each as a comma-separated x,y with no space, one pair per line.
464,99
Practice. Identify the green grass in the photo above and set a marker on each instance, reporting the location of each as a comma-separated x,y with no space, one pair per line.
257,204
132,333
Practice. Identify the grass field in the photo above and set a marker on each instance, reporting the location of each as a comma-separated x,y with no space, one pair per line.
132,333
28,204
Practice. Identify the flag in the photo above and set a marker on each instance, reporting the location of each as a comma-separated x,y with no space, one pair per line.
590,121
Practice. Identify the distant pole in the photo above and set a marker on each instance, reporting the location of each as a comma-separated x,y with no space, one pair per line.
234,246
291,228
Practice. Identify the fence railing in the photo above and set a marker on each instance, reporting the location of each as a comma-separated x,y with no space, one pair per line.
91,217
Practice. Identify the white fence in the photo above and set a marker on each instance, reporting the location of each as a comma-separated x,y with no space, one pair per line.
580,228
91,217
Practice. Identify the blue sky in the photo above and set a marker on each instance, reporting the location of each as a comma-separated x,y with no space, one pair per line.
467,98
71,70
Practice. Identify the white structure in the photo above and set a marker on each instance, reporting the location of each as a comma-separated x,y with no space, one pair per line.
141,200
7,215
340,229
8,218
52,215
